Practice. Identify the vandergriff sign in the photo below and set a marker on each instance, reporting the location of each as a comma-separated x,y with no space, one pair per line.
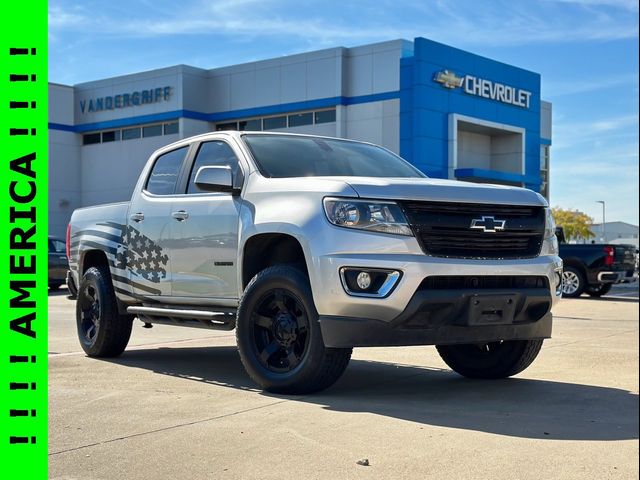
123,100
485,88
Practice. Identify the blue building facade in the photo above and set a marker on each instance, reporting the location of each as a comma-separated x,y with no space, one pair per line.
430,110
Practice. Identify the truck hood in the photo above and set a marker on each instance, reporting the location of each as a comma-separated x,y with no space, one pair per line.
430,189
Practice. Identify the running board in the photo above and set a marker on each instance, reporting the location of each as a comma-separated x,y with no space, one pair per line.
223,319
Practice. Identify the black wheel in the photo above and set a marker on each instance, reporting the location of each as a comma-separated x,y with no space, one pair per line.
573,283
279,337
102,331
599,289
490,360
54,286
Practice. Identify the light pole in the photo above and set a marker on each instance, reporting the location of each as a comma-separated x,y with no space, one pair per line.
604,233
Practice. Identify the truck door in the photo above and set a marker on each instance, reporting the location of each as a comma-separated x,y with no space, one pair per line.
204,232
148,227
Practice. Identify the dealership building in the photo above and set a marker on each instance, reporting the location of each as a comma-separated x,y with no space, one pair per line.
451,113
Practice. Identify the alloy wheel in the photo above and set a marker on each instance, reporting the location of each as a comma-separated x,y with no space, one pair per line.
570,282
280,331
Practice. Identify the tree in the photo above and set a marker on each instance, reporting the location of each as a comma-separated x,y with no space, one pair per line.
575,224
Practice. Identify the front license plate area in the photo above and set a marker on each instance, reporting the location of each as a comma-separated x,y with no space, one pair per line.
492,309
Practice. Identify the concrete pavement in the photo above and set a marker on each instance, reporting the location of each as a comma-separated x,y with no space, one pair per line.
177,404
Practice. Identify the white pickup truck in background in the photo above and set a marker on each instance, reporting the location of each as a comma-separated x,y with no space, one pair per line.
309,246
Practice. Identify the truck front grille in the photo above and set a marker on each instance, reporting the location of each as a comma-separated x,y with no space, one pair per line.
444,229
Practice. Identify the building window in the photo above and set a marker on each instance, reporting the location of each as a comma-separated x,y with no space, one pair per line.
152,131
171,128
300,119
110,136
325,116
254,125
130,133
227,126
90,138
271,123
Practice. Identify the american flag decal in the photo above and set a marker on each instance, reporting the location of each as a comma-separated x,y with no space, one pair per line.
143,257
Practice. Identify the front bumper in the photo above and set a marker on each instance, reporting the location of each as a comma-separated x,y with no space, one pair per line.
449,317
331,300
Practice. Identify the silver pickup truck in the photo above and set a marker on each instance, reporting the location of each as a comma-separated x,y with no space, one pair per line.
309,246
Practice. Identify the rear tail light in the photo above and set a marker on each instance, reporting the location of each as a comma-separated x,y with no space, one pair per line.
609,253
68,241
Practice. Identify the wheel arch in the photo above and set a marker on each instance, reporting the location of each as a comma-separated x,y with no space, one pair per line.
97,258
578,265
267,249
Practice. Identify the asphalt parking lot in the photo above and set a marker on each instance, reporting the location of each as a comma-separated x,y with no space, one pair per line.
177,404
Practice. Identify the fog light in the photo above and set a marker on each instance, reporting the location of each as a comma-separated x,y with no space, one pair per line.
369,282
364,280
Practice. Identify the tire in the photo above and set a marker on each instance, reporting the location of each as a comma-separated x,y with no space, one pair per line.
492,360
279,337
54,286
573,282
102,331
599,289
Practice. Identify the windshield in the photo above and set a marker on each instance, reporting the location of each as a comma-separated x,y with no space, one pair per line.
280,156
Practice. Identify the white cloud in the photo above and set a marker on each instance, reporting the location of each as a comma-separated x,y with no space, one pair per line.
495,24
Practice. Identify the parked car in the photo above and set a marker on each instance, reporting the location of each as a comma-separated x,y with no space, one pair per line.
58,263
593,268
309,246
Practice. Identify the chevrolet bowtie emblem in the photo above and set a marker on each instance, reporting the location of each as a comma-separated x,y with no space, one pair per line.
488,224
449,79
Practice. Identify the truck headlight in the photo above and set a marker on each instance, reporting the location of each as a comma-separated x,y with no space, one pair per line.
550,244
376,216
549,224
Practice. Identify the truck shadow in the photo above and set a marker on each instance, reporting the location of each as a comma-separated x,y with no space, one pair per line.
517,407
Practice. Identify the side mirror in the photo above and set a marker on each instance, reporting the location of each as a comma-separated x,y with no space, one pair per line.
215,179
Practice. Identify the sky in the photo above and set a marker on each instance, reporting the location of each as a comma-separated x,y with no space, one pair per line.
585,50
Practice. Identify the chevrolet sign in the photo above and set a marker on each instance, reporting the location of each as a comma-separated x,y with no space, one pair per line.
449,79
481,87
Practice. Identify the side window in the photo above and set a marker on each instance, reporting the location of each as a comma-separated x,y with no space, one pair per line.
213,154
164,174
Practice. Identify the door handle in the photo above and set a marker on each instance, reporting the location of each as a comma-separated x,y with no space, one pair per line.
137,217
180,215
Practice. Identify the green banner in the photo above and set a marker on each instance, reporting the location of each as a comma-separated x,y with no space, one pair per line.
23,240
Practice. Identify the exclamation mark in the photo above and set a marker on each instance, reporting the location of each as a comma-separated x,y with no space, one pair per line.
21,51
21,358
15,77
21,131
21,386
22,413
13,440
21,104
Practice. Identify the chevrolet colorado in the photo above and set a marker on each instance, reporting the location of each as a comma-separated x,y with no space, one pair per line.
309,246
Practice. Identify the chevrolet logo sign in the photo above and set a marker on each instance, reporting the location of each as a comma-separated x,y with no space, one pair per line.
449,79
488,224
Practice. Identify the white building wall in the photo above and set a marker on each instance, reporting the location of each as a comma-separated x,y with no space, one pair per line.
110,170
375,122
64,161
